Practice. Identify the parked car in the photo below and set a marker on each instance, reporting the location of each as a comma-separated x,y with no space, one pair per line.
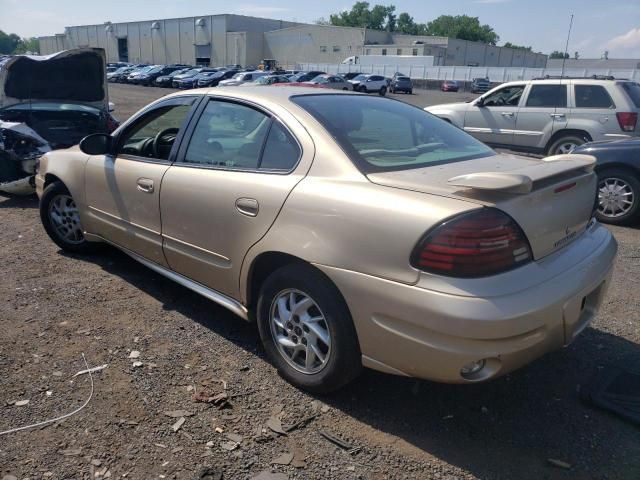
48,103
331,81
480,85
135,73
450,86
214,78
149,77
192,82
618,169
306,76
267,80
368,83
401,84
242,77
176,80
167,80
431,261
549,116
119,74
349,75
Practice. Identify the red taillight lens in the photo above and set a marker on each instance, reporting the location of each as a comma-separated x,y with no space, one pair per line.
112,123
627,121
476,244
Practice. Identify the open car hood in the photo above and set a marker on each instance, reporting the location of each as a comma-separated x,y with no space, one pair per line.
71,76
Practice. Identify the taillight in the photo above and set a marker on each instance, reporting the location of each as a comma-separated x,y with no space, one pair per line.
112,123
475,244
627,121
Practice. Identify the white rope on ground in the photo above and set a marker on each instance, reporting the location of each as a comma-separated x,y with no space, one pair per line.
46,422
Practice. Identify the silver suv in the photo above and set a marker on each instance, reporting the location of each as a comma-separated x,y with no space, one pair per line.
549,116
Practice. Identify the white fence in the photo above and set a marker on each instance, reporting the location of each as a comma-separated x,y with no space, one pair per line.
495,74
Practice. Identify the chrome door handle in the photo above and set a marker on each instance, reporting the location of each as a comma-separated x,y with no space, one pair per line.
506,114
557,115
145,185
247,206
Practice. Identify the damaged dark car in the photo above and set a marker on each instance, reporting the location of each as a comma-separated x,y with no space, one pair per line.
48,103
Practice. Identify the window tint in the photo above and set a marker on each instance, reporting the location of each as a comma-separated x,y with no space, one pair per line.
153,135
633,91
229,135
592,96
376,78
547,96
508,96
281,151
379,135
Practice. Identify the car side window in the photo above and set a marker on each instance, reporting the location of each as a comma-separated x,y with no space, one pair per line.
507,96
228,135
281,152
547,96
592,96
153,134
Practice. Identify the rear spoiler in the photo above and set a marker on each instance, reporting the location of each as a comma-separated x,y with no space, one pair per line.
521,180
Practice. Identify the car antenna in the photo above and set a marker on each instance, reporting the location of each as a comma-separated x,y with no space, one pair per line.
566,47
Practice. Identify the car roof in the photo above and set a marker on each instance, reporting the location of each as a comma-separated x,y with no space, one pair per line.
271,94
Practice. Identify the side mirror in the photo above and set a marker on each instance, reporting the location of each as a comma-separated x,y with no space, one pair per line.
96,144
480,102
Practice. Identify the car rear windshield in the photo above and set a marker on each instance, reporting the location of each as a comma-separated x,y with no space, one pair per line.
382,135
404,79
633,90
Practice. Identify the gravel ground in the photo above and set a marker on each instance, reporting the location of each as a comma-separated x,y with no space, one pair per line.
54,307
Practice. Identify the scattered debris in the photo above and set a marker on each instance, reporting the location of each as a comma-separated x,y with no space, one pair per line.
178,413
90,370
210,473
221,400
284,459
134,354
299,459
447,417
275,425
219,430
559,463
96,463
267,475
160,445
71,452
339,442
234,437
178,425
229,445
9,477
136,364
301,423
57,374
177,449
21,403
210,444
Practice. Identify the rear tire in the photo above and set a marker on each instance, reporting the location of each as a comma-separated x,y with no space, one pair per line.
616,188
383,91
61,221
322,324
566,144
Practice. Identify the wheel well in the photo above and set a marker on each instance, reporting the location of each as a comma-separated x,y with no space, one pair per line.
566,133
49,178
263,265
619,166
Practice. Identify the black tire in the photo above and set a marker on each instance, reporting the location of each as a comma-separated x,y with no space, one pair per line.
81,245
410,92
632,185
363,89
558,146
344,361
383,91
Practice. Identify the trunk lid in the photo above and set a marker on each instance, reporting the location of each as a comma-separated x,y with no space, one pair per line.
551,199
71,76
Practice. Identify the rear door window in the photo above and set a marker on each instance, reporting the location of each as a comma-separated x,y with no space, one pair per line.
592,96
547,96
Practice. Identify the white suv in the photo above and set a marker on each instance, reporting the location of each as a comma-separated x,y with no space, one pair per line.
369,84
549,116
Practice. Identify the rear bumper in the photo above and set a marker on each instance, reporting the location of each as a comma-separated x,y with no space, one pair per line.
413,331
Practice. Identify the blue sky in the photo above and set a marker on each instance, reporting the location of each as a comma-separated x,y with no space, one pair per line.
599,25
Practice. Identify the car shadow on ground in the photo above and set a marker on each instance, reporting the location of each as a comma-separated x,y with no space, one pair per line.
30,201
507,428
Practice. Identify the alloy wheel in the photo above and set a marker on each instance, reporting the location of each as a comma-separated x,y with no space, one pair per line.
615,197
65,219
565,148
300,331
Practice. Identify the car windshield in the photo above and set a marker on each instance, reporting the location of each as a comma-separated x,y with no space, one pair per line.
237,76
382,135
178,72
264,80
192,72
155,70
403,79
360,77
320,79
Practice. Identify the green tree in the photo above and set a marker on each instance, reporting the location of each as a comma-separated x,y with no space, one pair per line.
379,17
8,42
407,25
463,27
28,45
558,54
517,47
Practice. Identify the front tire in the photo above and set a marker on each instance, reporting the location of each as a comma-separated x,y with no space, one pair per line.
383,91
61,221
618,197
306,329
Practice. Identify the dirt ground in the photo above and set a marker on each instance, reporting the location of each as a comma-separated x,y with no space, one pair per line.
54,307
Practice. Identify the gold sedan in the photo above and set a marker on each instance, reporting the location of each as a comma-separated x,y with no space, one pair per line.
355,230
